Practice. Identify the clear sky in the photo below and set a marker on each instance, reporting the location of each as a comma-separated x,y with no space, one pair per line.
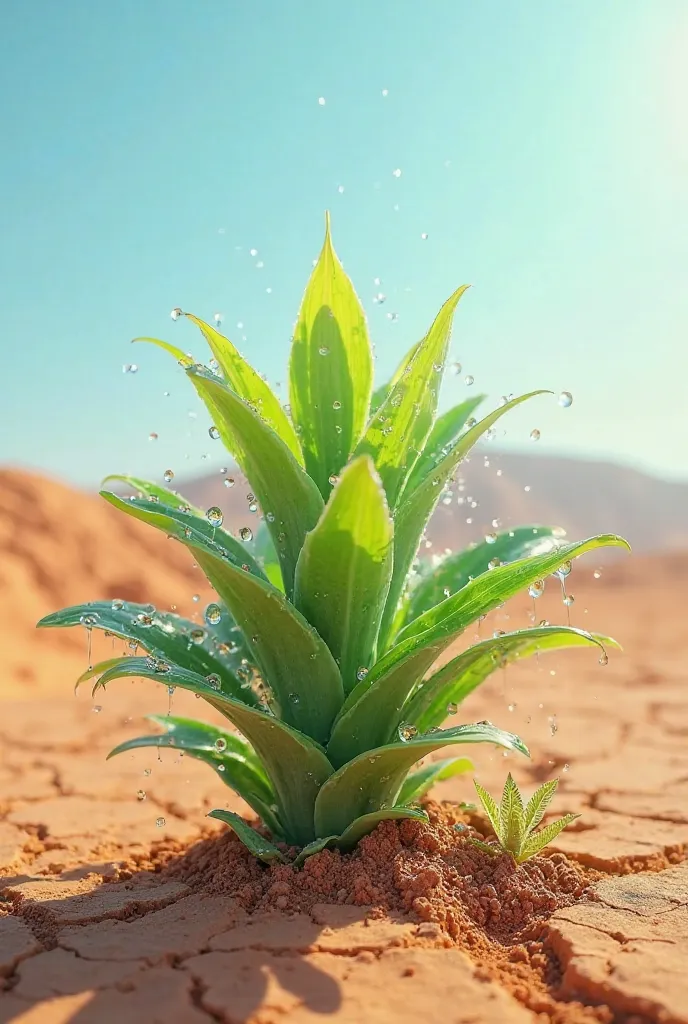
148,147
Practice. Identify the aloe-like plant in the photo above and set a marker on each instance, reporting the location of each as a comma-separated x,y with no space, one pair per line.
320,646
514,824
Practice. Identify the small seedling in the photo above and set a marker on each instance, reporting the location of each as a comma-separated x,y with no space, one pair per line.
513,823
320,644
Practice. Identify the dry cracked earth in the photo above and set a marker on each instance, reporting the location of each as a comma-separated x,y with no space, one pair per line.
85,942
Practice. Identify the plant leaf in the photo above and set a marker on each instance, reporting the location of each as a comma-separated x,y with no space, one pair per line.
545,836
372,781
444,433
416,506
418,783
536,807
381,394
183,358
307,684
165,636
236,763
317,846
288,497
252,840
511,817
367,823
331,369
452,683
154,492
455,570
249,385
397,433
294,763
265,554
344,568
491,809
494,851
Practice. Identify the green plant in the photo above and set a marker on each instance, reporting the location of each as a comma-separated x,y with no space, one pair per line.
513,823
320,643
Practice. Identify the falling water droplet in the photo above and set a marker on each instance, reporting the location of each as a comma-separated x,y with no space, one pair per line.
469,379
130,368
228,481
553,727
321,101
152,436
197,636
397,172
535,435
117,605
604,658
568,600
536,588
491,538
160,822
565,399
176,313
141,794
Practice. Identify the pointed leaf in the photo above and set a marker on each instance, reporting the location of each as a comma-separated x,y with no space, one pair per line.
296,766
416,506
331,369
248,384
154,492
381,394
445,433
373,780
490,807
418,783
317,846
306,684
288,497
452,683
545,836
367,823
511,817
252,840
265,554
183,358
235,762
397,433
455,571
165,636
344,568
538,804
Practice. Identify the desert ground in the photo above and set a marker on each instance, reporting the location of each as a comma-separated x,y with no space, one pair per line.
120,900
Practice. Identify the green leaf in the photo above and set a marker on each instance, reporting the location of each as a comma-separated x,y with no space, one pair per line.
164,635
455,570
306,684
536,807
288,497
367,823
416,506
381,394
343,572
154,492
445,433
397,433
183,358
294,763
452,683
317,846
249,385
331,369
265,554
511,817
234,762
494,851
490,807
418,783
483,594
544,837
252,840
373,780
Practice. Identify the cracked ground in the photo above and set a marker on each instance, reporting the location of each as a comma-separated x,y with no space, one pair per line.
84,941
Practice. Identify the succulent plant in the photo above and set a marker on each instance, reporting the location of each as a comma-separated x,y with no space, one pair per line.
320,646
514,823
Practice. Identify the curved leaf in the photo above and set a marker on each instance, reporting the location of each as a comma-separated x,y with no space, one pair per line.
397,433
373,780
491,808
538,840
183,358
295,764
235,762
249,385
416,506
344,568
455,570
452,683
330,370
154,492
252,840
288,497
444,433
166,636
265,554
307,684
536,807
367,823
511,816
418,783
381,394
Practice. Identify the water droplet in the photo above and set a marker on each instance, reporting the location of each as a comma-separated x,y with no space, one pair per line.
141,794
484,721
324,350
452,708
603,658
97,708
246,534
321,101
536,588
565,399
497,633
117,605
568,600
566,768
447,591
362,672
228,481
385,92
407,732
160,822
220,744
176,313
294,698
380,298
336,404
455,368
144,619
130,368
535,435
553,727
333,479
214,433
397,172
196,598
152,436
471,421
491,538
214,516
511,707
197,636
597,573
494,563
564,570
543,622
469,379
213,614
168,476
214,681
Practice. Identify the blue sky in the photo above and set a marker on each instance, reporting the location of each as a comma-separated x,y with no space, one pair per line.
148,148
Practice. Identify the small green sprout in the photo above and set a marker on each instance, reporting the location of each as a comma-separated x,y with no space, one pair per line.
513,823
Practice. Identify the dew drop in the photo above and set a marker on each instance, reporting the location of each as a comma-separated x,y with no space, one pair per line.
603,658
220,744
491,538
294,698
160,822
535,435
197,636
336,404
246,534
333,478
176,313
407,732
213,614
565,399
469,379
452,708
214,681
564,570
214,516
144,619
117,605
361,673
214,433
324,350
